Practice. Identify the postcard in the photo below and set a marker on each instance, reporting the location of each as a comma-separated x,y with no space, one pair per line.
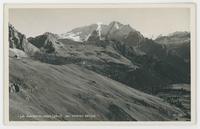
99,63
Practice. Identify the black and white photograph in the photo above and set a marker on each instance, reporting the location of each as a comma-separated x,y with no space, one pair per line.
100,63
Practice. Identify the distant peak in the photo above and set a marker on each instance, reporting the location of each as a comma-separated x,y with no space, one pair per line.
47,33
51,35
115,22
178,33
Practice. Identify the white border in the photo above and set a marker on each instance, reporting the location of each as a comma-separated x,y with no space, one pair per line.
192,6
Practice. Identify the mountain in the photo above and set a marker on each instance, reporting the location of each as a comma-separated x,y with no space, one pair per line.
134,60
16,39
174,38
79,34
113,31
46,42
177,43
131,59
19,45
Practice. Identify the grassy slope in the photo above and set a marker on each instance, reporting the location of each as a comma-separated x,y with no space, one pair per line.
70,89
178,95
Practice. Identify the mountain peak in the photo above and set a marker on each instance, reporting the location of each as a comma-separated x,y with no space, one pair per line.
114,30
179,33
48,33
116,24
178,37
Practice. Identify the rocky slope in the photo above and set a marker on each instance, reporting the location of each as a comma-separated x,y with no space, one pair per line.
46,42
174,38
19,45
177,43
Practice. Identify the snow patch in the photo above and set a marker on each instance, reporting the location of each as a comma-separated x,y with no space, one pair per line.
72,36
87,37
116,26
99,29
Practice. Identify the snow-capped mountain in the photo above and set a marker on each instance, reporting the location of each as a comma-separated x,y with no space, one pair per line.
114,31
79,34
72,36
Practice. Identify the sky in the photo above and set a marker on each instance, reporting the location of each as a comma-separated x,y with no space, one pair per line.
151,22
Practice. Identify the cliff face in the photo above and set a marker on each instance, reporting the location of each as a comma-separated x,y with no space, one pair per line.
19,45
16,39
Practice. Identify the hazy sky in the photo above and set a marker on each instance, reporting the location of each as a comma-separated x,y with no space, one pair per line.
149,21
